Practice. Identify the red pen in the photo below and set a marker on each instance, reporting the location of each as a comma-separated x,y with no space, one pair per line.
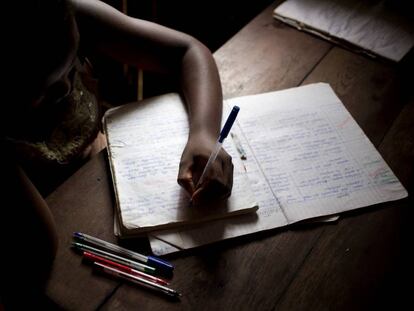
94,257
136,279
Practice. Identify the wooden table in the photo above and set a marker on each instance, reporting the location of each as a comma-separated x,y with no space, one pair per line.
361,261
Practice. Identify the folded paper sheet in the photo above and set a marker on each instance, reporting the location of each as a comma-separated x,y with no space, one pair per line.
373,27
306,158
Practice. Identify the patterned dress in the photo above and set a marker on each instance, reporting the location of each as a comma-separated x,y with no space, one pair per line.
50,144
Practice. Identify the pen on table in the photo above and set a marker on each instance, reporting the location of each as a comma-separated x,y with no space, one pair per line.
137,280
113,257
223,134
149,260
93,257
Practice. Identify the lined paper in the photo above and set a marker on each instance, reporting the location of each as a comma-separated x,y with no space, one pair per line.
306,158
145,142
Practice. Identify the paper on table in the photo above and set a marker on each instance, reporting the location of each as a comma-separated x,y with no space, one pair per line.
306,158
376,27
145,142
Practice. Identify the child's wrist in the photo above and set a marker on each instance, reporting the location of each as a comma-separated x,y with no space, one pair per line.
203,135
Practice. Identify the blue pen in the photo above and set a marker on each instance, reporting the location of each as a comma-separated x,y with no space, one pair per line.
149,260
223,134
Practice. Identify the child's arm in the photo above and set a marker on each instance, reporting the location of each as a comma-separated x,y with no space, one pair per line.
154,47
28,234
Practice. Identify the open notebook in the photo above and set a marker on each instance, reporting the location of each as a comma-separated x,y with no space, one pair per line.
306,157
145,142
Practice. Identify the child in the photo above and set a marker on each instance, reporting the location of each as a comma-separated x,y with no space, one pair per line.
53,120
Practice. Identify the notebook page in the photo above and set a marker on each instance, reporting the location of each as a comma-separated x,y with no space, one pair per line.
327,163
145,142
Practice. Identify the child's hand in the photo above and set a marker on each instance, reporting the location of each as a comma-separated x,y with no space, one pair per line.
218,181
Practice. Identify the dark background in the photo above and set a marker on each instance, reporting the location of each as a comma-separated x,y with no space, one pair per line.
212,22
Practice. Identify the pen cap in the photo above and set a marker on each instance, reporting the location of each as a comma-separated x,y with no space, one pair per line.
229,123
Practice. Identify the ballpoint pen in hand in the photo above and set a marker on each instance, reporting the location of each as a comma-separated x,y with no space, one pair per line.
223,134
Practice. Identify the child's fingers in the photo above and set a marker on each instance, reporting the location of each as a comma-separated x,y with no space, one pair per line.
185,179
218,183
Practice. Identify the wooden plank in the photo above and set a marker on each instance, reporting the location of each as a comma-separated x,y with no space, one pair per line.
267,55
364,261
398,146
248,274
84,204
369,89
360,263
